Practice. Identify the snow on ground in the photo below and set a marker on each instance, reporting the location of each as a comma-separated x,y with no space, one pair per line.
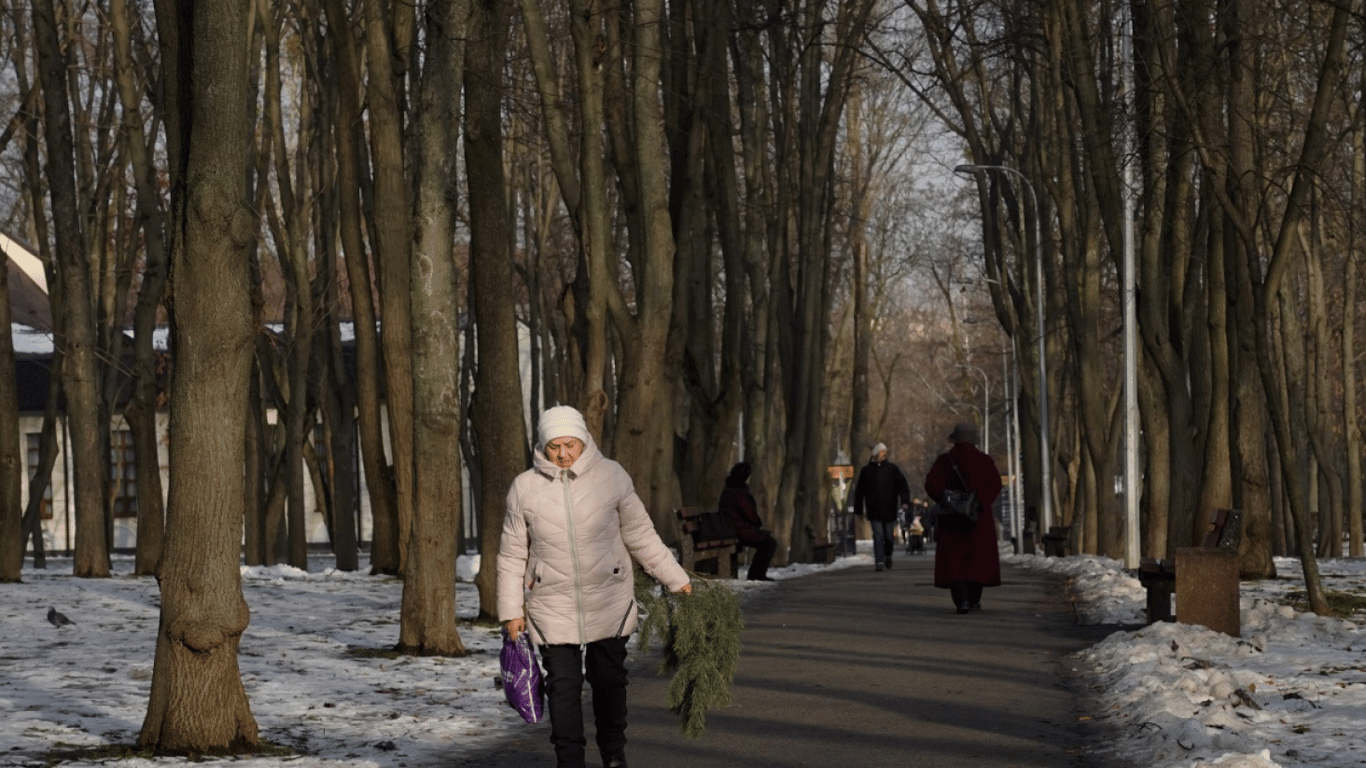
1290,692
311,686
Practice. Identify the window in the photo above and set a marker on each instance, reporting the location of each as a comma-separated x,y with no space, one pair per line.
123,473
32,442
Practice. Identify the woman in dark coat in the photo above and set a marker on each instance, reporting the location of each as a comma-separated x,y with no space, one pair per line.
964,563
738,503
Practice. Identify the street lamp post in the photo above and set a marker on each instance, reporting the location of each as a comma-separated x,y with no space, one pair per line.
986,407
1046,468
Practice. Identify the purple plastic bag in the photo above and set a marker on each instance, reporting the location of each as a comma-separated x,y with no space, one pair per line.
522,677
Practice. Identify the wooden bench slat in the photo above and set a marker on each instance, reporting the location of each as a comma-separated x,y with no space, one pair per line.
692,551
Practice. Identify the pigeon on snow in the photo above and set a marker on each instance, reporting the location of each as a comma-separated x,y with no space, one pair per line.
58,619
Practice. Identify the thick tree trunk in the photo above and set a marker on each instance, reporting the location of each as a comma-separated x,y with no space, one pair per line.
497,419
427,620
695,69
645,444
197,701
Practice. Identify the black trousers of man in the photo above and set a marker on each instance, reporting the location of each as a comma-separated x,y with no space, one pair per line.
763,555
605,662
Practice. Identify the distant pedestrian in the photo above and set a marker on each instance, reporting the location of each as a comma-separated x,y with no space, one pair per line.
738,503
965,562
916,543
573,525
880,493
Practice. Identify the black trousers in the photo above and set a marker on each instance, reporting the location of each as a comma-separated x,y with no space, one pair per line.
604,661
763,555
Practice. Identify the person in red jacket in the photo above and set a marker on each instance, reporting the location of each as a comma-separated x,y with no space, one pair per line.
965,562
738,503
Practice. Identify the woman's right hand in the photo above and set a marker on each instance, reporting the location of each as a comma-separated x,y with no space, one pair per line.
515,627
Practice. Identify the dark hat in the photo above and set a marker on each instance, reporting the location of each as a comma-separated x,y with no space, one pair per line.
964,432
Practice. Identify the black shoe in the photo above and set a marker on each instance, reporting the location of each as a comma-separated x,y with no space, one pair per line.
964,607
879,567
615,761
889,563
976,606
761,578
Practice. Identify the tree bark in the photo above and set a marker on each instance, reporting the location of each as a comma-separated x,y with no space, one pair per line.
1349,301
81,376
378,479
427,620
497,419
11,456
197,702
141,410
288,227
392,223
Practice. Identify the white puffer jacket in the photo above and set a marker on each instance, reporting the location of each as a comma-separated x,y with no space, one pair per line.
568,539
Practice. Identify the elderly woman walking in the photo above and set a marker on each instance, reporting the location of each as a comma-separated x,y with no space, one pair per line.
574,523
966,561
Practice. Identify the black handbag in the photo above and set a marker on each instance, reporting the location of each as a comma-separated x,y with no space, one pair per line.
959,510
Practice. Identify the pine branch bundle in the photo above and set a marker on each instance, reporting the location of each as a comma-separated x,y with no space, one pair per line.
701,634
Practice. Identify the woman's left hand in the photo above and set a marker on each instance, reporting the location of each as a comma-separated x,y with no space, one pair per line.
686,588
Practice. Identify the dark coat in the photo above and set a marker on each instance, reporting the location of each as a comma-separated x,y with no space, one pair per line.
739,504
970,556
880,491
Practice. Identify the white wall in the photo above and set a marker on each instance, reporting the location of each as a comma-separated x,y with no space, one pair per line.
59,531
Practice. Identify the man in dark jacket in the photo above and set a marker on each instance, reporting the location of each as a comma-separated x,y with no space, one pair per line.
880,493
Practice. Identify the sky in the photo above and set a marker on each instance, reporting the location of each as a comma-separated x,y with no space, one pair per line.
1290,692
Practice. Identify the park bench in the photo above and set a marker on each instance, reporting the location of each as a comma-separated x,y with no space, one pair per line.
1207,575
1058,541
699,542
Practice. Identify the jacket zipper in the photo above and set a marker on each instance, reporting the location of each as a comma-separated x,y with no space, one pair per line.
574,556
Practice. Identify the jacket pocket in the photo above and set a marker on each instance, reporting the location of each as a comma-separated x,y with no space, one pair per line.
533,578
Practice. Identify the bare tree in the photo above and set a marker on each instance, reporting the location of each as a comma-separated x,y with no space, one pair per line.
141,411
81,376
496,418
351,179
427,623
197,702
290,212
387,24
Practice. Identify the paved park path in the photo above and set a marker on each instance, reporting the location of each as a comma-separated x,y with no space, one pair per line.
851,668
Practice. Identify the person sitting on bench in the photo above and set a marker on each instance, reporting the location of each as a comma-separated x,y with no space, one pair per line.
738,503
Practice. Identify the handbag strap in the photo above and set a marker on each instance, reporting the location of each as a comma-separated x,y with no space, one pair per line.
958,472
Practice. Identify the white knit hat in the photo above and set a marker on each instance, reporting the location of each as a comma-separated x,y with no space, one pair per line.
562,421
879,448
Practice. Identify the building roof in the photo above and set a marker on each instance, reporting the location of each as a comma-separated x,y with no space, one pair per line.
28,299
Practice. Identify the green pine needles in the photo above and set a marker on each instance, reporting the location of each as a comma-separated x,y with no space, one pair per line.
701,634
